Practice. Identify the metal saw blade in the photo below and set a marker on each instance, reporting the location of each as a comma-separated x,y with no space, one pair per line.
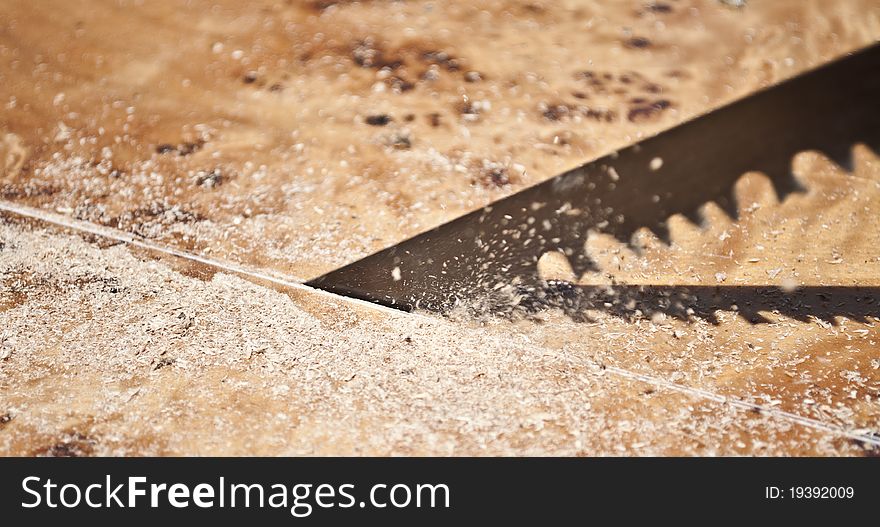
829,109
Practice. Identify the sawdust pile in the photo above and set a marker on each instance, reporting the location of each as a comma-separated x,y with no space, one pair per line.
108,352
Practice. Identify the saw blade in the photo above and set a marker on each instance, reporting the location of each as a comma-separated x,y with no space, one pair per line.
497,247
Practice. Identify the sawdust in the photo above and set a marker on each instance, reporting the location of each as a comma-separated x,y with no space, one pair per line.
118,353
243,130
249,133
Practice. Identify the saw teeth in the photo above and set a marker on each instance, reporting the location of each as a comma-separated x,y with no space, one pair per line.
754,190
866,162
581,263
554,265
611,256
727,203
696,217
715,219
682,230
813,169
661,231
644,241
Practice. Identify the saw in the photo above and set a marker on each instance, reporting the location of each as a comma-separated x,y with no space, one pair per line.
492,253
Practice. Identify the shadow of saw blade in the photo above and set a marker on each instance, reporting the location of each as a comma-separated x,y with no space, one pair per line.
689,302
